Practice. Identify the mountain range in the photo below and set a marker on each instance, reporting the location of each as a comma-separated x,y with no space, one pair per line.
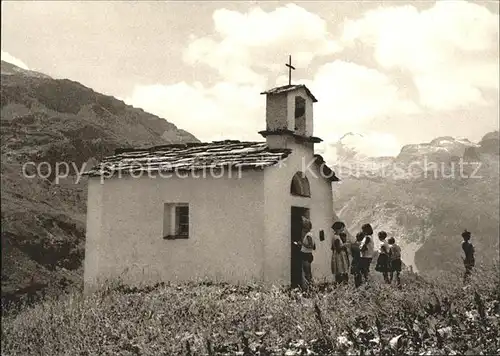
58,120
425,197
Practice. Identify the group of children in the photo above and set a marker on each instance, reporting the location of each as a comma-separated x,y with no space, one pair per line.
353,257
356,257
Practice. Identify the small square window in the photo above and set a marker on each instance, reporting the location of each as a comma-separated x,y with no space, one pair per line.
321,235
175,221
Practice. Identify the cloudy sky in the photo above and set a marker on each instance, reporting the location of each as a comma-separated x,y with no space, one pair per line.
397,72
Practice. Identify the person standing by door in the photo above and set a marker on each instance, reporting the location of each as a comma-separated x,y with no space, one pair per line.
307,247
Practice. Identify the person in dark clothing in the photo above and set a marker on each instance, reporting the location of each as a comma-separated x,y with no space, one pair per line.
355,262
469,260
307,247
383,256
395,260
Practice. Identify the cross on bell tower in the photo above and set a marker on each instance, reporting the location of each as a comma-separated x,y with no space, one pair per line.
290,67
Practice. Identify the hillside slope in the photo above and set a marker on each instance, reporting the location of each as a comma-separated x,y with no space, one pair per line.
435,316
48,122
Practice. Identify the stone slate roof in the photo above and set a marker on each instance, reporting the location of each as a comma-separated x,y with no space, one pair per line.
196,156
191,156
287,88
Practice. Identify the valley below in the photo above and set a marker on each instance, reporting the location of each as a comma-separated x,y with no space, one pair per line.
426,197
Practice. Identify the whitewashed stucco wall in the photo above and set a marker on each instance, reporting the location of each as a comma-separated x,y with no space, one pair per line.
276,112
280,111
125,229
278,203
93,231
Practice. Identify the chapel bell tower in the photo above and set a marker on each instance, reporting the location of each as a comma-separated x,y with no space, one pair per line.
289,115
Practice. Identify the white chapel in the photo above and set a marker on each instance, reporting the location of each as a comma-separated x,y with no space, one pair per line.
225,211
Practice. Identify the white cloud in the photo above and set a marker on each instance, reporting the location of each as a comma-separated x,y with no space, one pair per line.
224,111
374,144
450,60
451,49
441,94
350,95
13,60
250,48
248,43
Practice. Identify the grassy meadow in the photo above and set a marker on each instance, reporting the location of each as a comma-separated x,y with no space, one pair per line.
436,316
